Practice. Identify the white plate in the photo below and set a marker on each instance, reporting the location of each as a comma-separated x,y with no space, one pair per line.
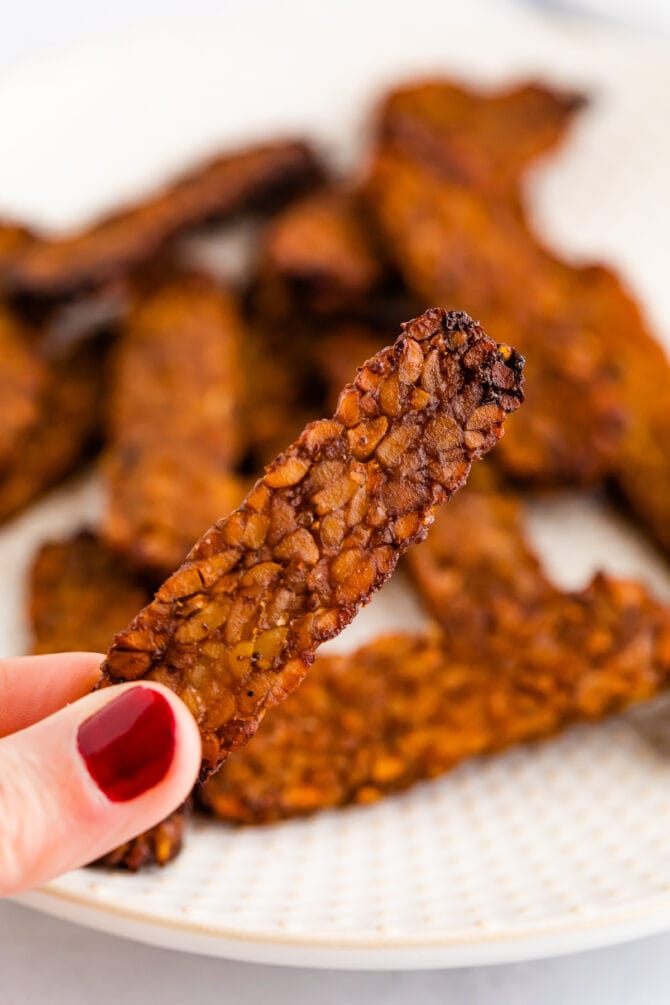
538,852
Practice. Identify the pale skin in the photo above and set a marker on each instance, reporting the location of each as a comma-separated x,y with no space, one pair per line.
53,817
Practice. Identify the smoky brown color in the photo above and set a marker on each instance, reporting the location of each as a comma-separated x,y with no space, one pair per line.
513,659
235,629
457,234
174,421
115,246
80,595
66,424
157,846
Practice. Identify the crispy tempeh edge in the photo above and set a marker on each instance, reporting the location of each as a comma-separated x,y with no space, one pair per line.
235,629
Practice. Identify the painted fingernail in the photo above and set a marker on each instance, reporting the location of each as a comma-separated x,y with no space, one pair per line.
129,744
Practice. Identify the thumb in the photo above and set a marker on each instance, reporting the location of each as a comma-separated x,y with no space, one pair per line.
90,777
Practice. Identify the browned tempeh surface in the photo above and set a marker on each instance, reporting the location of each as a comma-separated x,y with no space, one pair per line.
480,138
175,431
67,424
274,411
318,256
599,383
157,846
455,245
22,378
640,468
14,238
482,581
80,595
455,241
476,563
337,353
111,248
515,659
235,629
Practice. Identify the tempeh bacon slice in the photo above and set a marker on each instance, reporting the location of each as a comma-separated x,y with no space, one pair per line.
403,709
64,429
157,846
120,243
641,466
174,431
444,188
80,595
235,629
513,659
22,379
317,256
481,138
456,244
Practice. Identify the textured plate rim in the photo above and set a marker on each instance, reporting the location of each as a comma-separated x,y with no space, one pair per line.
359,951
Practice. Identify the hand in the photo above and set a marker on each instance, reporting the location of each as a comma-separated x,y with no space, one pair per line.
76,780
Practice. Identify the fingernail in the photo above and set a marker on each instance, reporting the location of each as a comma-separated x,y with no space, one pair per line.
129,744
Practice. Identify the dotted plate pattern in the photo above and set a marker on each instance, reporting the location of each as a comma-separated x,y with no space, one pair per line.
542,850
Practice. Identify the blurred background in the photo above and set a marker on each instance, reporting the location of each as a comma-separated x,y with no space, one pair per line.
39,26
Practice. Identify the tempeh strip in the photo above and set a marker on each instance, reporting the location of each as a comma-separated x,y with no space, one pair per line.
22,378
457,234
515,659
109,250
235,629
66,426
174,421
478,562
483,583
403,709
157,846
458,245
14,238
80,595
484,139
318,256
641,466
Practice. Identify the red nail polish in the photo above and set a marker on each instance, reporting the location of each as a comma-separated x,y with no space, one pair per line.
129,744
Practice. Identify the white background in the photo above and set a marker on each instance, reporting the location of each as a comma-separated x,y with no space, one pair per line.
42,960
